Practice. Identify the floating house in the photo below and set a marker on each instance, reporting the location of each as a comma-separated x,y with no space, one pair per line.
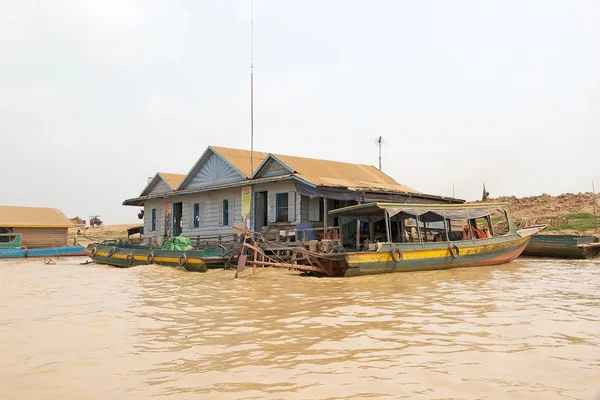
39,227
282,193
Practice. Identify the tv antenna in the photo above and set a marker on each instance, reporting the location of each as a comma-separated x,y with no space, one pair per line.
379,141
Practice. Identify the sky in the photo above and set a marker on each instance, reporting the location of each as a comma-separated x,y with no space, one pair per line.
98,95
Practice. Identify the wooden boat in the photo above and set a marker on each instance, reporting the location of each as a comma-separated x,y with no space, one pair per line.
399,252
126,255
563,246
11,247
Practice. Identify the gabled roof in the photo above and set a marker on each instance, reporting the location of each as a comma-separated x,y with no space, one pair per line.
33,217
336,174
172,180
240,159
237,159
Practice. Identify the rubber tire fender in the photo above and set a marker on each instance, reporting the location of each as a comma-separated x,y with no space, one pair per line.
130,259
150,258
182,260
451,249
94,251
395,251
111,252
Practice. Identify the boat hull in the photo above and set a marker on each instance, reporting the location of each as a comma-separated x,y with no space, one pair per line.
433,256
43,252
563,246
126,257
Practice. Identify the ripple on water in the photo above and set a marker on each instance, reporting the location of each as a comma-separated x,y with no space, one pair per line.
529,329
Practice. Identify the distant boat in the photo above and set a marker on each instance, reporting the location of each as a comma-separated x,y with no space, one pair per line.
563,246
125,255
11,247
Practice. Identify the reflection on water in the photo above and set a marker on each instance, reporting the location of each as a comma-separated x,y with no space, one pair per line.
526,330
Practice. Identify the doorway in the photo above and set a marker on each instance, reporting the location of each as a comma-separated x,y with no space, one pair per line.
177,218
260,210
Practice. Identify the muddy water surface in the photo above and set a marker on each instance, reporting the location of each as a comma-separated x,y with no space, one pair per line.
526,330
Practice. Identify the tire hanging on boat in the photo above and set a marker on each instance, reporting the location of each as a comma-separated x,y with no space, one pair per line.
130,259
150,258
94,251
396,254
182,260
454,250
111,252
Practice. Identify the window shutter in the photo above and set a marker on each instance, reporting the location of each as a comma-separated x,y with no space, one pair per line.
271,207
314,203
200,215
220,206
291,206
231,211
160,223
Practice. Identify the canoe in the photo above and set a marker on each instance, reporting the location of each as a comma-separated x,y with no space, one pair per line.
14,249
43,252
563,246
451,248
129,255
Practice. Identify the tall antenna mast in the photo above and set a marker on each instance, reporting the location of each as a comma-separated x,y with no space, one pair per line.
379,141
252,97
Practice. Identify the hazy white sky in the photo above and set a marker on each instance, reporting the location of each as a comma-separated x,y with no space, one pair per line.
96,95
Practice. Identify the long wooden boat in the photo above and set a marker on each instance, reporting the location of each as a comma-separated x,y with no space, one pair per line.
398,252
563,246
126,255
11,247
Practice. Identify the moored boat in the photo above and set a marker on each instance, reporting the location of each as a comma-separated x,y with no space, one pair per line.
126,255
11,247
412,237
563,246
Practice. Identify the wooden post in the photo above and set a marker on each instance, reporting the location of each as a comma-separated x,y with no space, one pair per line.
325,217
388,230
594,198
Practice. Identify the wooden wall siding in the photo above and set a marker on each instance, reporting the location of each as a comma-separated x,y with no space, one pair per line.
273,168
160,186
159,204
215,171
211,212
34,238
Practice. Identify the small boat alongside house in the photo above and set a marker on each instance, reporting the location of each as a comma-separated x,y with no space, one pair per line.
563,246
125,255
35,232
406,237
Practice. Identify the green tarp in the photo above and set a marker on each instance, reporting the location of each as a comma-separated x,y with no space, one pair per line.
179,243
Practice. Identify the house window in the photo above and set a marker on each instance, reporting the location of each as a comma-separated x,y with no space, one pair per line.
153,219
282,207
225,212
196,215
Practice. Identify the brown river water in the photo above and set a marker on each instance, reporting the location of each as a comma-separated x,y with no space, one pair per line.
525,330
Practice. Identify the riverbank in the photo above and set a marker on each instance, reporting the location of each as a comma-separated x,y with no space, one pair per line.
568,213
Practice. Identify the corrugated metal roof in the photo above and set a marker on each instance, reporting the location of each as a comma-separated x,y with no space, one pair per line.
319,172
342,174
172,180
29,217
240,159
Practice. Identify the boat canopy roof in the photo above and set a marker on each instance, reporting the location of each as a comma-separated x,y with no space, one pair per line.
425,212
